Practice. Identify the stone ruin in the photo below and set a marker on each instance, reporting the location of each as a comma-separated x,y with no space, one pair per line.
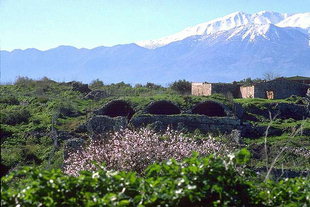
207,116
116,108
162,108
210,108
279,88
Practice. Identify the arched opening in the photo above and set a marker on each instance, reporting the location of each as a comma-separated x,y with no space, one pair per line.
3,170
118,108
163,107
209,108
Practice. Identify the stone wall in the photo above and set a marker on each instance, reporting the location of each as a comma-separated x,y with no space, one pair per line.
116,108
207,89
162,107
211,108
225,88
201,89
281,88
247,91
189,122
102,124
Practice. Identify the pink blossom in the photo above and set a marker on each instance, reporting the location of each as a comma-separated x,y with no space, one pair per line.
136,149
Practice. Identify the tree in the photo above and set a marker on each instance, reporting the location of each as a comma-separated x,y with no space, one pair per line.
181,86
268,76
152,86
138,85
96,84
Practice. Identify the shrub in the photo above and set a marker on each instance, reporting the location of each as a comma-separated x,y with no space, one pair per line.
96,84
181,86
66,109
80,87
5,132
287,192
11,155
135,150
43,85
24,82
15,116
42,99
10,100
195,181
152,86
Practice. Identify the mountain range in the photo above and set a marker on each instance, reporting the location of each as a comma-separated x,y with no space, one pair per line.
229,48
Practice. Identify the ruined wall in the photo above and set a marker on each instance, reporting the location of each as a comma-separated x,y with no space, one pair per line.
225,88
207,89
189,122
162,107
201,89
278,89
281,88
247,91
211,108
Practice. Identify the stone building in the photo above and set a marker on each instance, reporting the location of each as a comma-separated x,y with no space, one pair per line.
207,89
275,89
279,88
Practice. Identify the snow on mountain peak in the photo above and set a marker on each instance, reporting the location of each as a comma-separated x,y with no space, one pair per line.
301,20
250,32
219,24
235,20
267,17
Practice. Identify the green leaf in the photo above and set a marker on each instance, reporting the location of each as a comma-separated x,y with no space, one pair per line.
243,156
124,203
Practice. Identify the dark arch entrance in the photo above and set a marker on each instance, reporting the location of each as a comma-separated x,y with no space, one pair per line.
3,170
118,108
209,108
163,107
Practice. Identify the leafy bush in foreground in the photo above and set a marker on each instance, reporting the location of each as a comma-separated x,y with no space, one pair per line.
195,181
136,149
287,192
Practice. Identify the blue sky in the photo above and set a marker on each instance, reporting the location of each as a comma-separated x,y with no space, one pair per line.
45,24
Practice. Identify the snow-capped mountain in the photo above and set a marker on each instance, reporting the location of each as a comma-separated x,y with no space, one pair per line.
301,21
231,21
230,48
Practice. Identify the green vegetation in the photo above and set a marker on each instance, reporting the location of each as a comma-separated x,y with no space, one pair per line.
260,101
182,87
195,181
31,111
299,78
249,81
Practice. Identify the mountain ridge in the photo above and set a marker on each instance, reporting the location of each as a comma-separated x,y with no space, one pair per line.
249,49
225,23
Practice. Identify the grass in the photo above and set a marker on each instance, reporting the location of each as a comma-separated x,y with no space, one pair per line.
259,101
287,126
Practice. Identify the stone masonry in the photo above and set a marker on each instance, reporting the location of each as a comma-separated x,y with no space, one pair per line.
279,88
